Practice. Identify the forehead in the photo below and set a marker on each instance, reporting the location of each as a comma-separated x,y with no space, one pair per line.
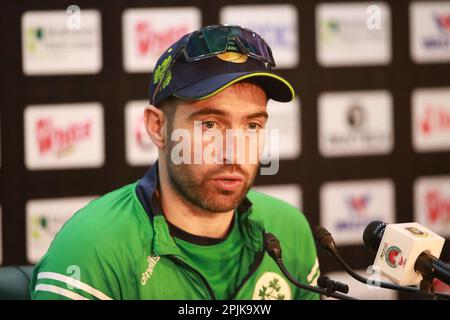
238,98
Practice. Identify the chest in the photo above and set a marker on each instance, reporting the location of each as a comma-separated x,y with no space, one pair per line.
167,277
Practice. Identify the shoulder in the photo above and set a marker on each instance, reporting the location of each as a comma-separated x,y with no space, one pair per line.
105,223
101,243
282,219
274,210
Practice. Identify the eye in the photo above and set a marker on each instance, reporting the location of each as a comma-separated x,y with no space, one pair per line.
208,125
254,126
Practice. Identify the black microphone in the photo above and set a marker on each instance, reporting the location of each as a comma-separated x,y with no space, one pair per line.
273,248
373,234
427,264
326,242
331,285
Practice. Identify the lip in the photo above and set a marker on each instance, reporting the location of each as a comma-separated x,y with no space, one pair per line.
229,177
228,182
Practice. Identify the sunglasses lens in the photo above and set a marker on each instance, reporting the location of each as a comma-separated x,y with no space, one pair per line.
256,45
217,39
214,40
196,46
208,41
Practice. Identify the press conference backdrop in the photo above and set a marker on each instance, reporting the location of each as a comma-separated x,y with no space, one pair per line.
367,138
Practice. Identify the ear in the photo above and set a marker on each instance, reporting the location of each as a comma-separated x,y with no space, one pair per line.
155,120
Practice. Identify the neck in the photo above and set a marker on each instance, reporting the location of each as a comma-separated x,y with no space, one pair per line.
187,216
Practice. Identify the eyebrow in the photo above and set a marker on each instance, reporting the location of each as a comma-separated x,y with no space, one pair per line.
257,115
212,111
208,111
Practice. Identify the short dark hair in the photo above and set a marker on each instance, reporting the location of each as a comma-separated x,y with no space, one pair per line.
169,107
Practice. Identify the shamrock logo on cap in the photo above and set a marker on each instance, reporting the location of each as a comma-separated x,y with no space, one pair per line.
161,71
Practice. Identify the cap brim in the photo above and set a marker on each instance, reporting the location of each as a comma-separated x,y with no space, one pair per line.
275,87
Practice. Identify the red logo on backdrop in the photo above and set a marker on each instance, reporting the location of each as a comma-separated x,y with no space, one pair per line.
434,119
443,22
437,206
156,41
59,140
358,204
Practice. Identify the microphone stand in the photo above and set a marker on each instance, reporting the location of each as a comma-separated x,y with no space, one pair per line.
311,288
273,248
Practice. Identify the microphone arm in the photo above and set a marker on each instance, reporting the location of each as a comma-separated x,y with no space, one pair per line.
311,288
273,248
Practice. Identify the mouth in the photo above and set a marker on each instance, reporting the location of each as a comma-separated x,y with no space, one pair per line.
228,182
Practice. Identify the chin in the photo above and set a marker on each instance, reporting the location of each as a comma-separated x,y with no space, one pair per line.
221,203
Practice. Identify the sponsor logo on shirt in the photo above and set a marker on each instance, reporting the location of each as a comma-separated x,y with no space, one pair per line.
271,286
152,261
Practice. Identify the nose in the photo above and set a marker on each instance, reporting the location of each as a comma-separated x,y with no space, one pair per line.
240,147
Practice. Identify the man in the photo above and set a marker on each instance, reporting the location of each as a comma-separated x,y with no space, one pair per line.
190,229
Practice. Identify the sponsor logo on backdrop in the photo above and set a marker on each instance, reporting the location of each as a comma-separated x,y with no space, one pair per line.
285,117
348,207
430,31
148,32
432,203
431,119
140,149
277,24
355,123
290,193
64,136
361,290
44,218
50,47
60,140
346,38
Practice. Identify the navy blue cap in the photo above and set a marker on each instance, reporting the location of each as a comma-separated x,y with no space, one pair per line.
204,78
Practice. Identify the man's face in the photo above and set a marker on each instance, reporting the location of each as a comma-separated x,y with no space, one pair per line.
220,186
